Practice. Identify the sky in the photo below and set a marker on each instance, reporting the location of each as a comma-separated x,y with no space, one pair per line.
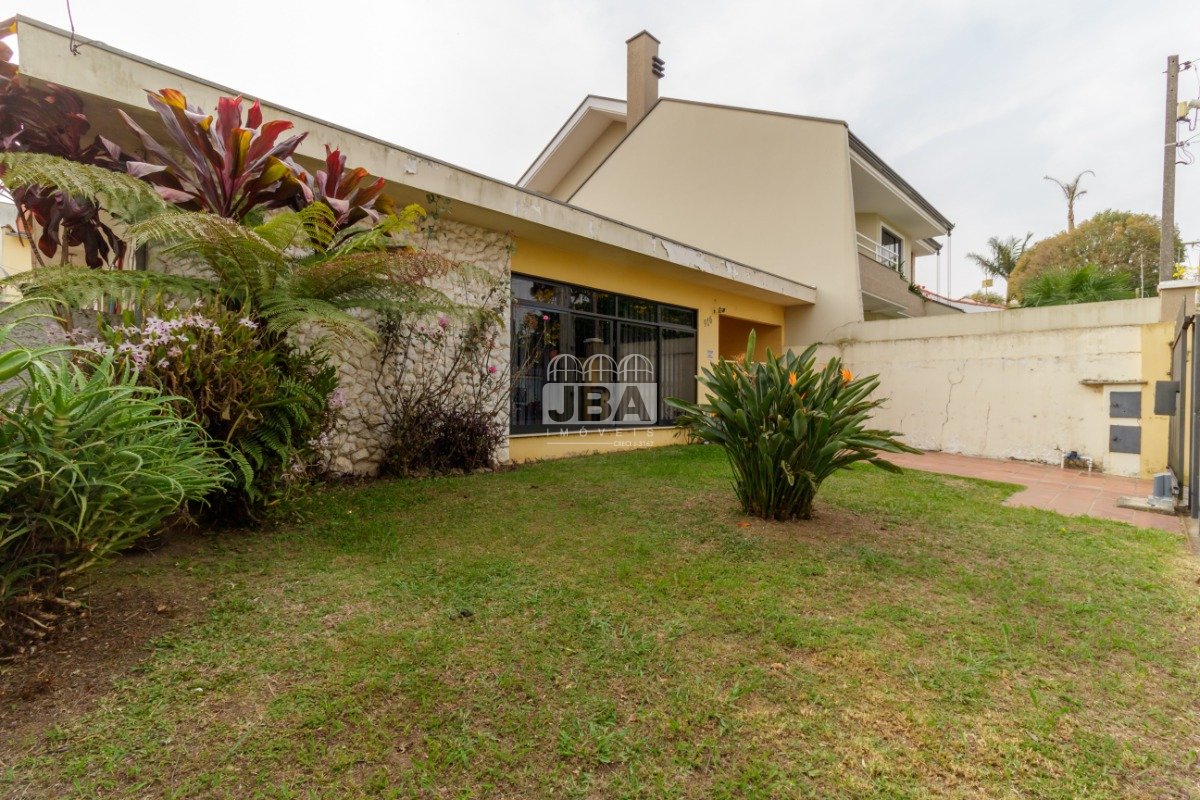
972,102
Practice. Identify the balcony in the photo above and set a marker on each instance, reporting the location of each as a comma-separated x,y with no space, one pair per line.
884,256
885,282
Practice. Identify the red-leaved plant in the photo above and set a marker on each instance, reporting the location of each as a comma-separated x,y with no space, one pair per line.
352,193
225,166
50,120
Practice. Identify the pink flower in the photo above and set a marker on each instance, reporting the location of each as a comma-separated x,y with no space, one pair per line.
545,317
246,322
443,323
174,352
492,369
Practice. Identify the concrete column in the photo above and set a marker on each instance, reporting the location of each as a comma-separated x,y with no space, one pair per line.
1175,295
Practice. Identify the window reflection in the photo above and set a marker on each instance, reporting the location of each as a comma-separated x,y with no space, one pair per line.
594,334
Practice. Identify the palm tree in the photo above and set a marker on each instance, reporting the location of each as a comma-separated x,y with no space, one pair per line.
1086,284
1003,256
296,270
1072,192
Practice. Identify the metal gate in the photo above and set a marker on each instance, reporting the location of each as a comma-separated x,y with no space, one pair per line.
1183,455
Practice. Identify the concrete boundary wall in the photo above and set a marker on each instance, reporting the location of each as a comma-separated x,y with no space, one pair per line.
1026,384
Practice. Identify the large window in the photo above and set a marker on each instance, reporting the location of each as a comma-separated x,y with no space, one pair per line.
586,340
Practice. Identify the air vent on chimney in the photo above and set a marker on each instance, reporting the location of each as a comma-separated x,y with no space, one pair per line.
642,52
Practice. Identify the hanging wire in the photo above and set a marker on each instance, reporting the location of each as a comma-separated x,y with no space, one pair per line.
71,19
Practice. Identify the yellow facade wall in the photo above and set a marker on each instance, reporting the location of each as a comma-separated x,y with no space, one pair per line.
1156,366
16,256
531,447
597,272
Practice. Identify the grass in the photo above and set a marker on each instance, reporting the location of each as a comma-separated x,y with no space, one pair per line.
613,627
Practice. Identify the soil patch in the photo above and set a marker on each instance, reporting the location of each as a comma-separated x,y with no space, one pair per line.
133,601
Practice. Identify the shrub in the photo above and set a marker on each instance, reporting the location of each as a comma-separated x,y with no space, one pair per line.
49,119
444,396
1086,284
90,462
263,403
786,427
432,437
1117,242
353,194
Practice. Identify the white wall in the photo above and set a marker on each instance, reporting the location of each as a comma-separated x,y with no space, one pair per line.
1018,383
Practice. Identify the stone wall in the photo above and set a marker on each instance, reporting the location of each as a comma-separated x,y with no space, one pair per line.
356,443
368,382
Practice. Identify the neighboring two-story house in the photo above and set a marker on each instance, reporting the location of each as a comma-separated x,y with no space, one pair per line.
802,197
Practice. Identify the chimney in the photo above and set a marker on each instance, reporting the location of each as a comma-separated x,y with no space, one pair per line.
644,69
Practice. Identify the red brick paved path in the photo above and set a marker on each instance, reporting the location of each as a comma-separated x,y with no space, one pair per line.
1068,491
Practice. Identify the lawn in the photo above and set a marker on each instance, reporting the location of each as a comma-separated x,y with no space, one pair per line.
613,627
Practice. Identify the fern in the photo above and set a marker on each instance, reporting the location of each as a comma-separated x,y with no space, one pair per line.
81,288
293,270
114,190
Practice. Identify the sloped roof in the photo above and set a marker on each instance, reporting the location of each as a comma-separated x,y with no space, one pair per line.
576,136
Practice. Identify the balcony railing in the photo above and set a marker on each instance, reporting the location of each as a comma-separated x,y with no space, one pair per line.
880,254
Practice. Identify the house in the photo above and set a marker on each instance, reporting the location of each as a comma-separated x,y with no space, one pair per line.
965,304
647,241
16,250
801,197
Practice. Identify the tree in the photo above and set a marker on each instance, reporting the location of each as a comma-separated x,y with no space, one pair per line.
1071,192
1085,284
1114,241
1003,256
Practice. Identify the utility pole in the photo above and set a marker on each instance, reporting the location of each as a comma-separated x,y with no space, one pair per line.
1166,247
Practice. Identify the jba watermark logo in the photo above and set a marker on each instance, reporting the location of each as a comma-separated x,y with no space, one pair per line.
600,391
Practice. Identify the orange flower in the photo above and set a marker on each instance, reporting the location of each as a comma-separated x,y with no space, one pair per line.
791,379
847,375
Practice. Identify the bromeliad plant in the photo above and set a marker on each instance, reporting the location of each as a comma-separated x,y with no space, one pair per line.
786,426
